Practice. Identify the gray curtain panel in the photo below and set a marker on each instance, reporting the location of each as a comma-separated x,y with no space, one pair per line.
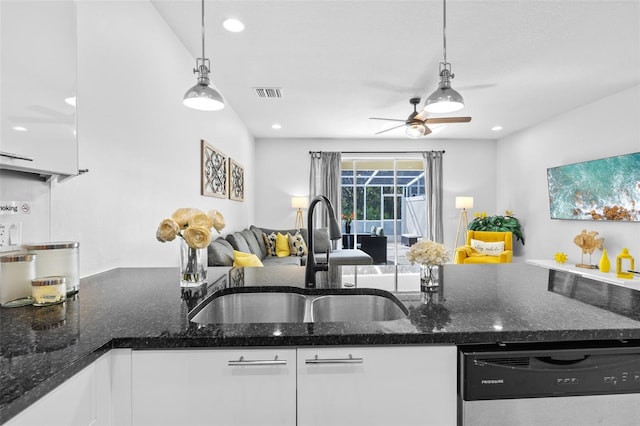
325,180
433,195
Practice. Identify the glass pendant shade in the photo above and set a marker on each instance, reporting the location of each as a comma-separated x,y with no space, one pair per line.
415,130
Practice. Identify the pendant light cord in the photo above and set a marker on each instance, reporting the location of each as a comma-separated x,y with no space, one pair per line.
444,30
202,31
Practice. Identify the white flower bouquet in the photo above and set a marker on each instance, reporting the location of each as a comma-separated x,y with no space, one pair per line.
427,253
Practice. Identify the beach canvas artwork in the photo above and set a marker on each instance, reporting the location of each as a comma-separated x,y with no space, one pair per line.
606,189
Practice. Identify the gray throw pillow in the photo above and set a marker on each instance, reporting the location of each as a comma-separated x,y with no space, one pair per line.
238,242
258,234
251,241
321,242
220,253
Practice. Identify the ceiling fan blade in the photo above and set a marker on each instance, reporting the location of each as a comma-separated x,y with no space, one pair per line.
386,119
391,128
448,120
422,115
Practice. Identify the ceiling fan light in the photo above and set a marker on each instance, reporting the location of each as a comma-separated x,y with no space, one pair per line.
444,100
415,130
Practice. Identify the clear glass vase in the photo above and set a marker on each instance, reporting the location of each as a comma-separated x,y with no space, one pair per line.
193,265
429,282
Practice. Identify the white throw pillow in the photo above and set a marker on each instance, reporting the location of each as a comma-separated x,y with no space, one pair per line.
490,249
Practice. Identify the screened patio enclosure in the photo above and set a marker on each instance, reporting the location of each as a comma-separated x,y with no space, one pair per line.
386,194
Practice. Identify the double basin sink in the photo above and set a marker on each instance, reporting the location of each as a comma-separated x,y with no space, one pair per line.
297,305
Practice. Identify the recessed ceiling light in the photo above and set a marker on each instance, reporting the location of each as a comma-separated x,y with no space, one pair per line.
233,25
276,126
496,128
19,128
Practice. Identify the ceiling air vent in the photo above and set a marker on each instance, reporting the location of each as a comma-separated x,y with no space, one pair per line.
268,92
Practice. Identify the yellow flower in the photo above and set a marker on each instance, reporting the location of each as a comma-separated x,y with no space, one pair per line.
181,216
508,213
193,225
167,230
480,214
561,257
199,218
217,220
197,236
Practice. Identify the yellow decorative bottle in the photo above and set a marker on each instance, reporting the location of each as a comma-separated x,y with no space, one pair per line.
604,264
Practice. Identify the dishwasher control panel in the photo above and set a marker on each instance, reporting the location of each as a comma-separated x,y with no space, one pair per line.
566,372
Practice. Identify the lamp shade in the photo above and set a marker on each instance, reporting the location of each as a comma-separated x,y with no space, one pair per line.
443,100
464,202
299,202
203,97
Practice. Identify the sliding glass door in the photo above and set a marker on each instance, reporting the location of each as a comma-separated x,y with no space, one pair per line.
386,198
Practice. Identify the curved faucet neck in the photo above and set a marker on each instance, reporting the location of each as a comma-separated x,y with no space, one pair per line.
312,267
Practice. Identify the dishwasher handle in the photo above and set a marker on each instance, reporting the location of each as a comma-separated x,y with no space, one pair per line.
563,361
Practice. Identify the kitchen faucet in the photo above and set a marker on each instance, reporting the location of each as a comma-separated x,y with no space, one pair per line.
334,234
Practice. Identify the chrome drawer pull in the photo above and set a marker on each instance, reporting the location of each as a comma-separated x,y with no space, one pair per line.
15,156
245,362
350,360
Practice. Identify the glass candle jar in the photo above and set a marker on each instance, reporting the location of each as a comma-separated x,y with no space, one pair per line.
48,290
58,259
16,273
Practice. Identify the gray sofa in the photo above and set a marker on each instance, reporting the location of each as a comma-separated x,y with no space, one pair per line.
251,240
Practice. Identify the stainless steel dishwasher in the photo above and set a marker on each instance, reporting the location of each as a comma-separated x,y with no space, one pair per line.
563,385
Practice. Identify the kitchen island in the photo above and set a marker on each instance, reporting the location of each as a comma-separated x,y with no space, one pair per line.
144,308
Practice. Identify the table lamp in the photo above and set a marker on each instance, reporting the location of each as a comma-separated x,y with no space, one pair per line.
463,203
299,203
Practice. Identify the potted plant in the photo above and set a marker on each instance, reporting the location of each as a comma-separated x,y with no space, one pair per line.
497,223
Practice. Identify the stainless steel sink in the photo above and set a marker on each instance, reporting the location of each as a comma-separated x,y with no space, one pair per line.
253,307
302,305
355,308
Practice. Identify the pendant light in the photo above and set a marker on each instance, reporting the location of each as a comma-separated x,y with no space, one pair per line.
202,96
444,99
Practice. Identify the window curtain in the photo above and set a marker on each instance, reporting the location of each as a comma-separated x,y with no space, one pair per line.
433,195
325,180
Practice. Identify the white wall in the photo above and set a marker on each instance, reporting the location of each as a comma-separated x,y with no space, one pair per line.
140,144
282,168
608,127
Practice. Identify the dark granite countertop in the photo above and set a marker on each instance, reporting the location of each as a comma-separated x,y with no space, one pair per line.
144,308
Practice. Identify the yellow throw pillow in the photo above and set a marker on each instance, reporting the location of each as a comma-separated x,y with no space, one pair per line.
282,245
245,259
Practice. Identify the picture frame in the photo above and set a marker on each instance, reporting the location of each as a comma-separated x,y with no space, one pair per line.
605,189
236,181
214,180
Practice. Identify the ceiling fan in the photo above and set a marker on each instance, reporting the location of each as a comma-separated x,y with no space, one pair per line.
416,123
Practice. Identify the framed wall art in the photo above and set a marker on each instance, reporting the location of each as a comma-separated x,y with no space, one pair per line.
213,177
236,181
606,189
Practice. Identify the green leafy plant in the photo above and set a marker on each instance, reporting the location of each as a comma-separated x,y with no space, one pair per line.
497,223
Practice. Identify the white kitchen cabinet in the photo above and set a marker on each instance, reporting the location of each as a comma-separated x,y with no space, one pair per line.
82,400
214,387
389,385
38,66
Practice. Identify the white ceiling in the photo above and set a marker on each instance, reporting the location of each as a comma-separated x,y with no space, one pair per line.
516,62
